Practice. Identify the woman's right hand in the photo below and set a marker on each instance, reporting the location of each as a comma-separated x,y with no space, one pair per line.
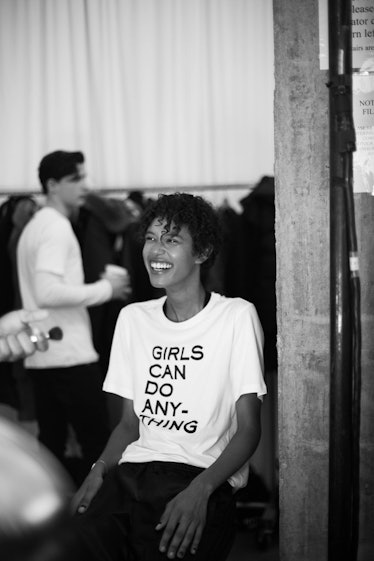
125,432
90,486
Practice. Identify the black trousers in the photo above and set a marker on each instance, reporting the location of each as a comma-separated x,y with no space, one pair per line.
120,523
74,396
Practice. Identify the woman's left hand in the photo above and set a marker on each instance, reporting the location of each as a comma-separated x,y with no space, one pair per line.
183,521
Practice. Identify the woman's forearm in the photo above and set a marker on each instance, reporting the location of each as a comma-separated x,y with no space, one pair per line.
240,448
120,438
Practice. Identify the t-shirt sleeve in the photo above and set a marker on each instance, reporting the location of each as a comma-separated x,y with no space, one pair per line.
52,292
247,364
118,378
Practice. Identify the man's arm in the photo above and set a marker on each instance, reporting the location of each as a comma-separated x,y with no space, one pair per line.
126,431
52,292
183,519
51,261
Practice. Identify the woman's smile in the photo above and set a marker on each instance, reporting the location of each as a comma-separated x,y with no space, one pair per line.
160,266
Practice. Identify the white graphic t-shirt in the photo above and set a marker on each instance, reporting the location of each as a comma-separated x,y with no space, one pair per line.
185,378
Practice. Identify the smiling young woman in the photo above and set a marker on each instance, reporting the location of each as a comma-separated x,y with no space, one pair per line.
189,368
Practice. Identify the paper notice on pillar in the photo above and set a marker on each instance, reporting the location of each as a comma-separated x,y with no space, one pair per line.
323,18
362,34
362,22
363,117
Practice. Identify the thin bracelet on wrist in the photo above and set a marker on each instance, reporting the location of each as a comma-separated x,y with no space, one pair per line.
101,462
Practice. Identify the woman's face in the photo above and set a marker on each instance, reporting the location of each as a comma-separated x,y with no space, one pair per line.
169,257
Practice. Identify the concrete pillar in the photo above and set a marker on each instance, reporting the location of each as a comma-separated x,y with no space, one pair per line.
302,243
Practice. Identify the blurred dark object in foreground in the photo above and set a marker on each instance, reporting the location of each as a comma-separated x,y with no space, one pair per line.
34,495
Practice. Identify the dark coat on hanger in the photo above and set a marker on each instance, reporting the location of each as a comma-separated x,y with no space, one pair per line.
258,220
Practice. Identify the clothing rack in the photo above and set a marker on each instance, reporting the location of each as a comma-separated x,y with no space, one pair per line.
144,189
183,188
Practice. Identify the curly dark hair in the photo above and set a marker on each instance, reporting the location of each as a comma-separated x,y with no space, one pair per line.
194,212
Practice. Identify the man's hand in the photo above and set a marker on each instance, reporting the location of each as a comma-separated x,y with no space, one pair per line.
15,331
183,521
121,285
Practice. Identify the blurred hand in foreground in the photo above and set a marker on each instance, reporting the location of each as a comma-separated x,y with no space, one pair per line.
15,331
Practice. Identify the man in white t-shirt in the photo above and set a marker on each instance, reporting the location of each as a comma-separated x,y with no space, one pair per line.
189,367
66,378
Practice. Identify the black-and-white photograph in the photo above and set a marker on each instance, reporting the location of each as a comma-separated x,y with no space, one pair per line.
186,288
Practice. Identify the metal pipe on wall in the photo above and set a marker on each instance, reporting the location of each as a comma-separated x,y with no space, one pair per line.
344,297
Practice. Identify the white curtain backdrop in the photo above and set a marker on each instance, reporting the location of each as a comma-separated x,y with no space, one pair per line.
155,92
